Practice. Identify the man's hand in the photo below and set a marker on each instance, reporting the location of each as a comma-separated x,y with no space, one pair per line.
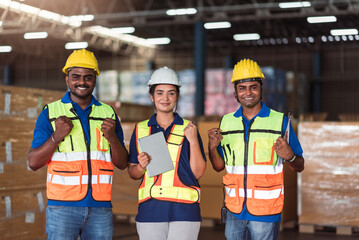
108,129
214,138
64,126
283,149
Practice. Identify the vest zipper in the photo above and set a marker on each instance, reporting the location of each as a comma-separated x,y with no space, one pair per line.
87,148
246,141
88,152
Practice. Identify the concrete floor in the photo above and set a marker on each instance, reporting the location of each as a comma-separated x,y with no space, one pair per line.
127,231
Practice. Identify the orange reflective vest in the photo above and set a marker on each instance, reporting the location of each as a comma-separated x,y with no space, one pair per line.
167,186
78,165
254,175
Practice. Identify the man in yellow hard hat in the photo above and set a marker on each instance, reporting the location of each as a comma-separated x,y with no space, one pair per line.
252,144
79,139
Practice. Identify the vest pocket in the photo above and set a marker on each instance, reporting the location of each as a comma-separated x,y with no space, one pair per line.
101,142
103,173
263,151
64,181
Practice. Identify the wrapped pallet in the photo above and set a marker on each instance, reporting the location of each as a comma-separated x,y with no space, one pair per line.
329,183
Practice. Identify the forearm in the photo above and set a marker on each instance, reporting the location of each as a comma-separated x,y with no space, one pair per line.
216,159
297,165
39,157
197,162
119,154
135,171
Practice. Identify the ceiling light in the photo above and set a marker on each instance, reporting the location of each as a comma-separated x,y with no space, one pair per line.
337,32
82,18
0,23
246,36
35,35
324,39
76,45
123,30
158,41
5,49
294,4
181,11
107,33
217,25
322,19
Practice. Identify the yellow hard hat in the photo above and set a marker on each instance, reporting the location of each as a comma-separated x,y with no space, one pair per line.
247,70
82,58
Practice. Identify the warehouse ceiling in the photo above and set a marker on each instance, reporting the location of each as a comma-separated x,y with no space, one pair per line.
276,26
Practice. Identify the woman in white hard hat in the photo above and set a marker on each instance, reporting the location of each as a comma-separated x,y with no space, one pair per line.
169,202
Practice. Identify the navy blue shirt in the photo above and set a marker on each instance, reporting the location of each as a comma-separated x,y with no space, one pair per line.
164,211
293,142
43,131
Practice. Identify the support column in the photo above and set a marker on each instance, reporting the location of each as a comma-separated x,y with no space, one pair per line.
317,85
200,65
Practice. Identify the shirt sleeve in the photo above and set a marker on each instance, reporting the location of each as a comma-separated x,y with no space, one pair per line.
201,146
42,131
133,148
119,131
293,140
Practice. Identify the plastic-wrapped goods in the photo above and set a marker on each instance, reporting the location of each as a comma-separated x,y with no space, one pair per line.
140,89
126,88
330,181
107,86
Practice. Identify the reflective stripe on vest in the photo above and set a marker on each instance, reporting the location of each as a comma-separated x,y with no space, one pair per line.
167,186
75,166
253,174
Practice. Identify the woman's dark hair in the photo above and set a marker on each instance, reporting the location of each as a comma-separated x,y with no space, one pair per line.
153,87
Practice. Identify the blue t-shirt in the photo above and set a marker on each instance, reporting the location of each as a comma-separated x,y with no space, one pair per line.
294,144
43,131
164,211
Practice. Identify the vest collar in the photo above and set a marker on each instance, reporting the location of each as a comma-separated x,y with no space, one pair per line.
178,120
264,112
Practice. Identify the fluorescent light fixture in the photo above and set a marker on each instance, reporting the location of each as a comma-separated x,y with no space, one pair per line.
217,25
322,19
123,30
294,4
5,49
35,35
158,41
181,11
338,32
76,45
0,23
106,32
246,36
82,18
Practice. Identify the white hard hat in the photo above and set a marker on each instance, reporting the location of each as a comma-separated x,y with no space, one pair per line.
164,75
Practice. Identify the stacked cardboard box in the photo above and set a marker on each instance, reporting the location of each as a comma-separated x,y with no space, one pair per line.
329,183
22,191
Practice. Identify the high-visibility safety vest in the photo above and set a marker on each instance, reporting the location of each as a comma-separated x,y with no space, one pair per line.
167,186
77,164
254,176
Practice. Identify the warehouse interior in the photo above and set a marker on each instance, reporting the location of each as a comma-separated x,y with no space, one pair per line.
310,70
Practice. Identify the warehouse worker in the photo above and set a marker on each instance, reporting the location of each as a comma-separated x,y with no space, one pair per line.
169,202
78,138
250,144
